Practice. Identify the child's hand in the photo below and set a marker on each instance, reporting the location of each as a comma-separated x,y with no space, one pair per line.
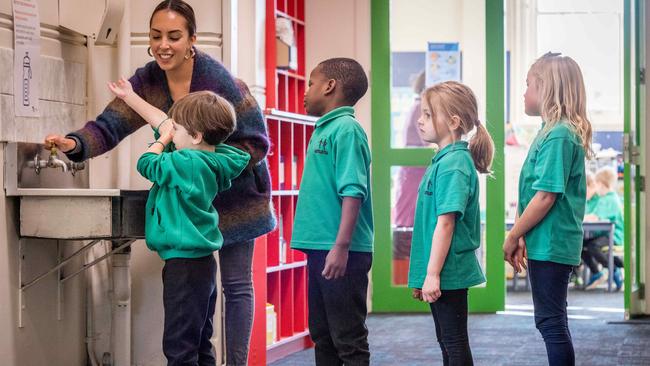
514,252
431,288
510,246
335,263
167,135
417,294
591,218
121,88
521,254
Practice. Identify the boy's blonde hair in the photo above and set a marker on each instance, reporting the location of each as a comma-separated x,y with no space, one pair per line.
207,113
607,177
562,95
590,179
457,100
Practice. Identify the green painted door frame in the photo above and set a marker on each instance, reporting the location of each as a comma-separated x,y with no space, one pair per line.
633,24
388,298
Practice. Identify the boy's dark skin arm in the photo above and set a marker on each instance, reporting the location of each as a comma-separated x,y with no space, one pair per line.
337,259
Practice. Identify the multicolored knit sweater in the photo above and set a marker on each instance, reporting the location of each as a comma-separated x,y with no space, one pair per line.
245,209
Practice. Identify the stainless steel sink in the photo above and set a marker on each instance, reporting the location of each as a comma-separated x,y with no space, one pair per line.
58,204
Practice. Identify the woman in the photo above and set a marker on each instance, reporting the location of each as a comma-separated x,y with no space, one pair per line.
244,210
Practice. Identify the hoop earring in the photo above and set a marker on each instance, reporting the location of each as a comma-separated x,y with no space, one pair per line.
149,51
192,53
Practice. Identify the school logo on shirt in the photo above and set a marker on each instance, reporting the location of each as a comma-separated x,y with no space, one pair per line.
322,147
429,191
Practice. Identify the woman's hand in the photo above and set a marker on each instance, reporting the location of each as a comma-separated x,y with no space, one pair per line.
121,88
62,143
431,288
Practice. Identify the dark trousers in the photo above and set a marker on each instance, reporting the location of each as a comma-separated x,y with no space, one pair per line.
549,282
592,254
450,317
337,310
189,298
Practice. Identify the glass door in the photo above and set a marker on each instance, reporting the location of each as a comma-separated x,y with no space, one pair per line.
416,43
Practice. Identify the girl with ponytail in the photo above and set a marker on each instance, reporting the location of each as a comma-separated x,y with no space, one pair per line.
446,232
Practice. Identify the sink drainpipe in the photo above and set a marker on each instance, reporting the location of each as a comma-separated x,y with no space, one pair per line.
121,307
121,312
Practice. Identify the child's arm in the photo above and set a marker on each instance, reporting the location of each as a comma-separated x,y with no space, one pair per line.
536,210
161,169
337,259
154,116
440,244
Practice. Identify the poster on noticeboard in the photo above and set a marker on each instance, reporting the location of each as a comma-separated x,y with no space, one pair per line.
443,63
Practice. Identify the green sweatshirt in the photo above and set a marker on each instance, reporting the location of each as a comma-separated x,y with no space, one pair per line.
181,221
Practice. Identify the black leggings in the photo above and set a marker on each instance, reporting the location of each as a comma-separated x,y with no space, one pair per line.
450,317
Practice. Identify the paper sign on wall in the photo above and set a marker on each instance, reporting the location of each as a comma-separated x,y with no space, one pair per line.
27,51
442,63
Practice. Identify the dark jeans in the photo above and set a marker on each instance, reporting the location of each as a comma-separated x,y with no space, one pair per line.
189,297
235,262
592,254
549,282
337,310
450,317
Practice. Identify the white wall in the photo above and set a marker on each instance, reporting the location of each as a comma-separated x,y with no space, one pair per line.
340,28
43,340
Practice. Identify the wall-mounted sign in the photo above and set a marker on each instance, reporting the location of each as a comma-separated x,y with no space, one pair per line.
27,52
443,63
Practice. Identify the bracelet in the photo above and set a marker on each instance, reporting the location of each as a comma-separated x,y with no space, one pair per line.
160,124
163,145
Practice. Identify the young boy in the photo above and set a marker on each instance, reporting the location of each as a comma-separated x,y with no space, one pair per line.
181,222
333,222
608,208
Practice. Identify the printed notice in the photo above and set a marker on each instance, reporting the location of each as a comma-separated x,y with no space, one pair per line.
27,51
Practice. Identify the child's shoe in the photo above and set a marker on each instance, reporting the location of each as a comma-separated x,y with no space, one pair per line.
618,278
595,280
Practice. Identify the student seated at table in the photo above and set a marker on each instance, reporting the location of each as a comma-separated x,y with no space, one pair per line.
604,205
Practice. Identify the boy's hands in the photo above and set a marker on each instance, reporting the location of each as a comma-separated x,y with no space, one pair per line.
336,262
431,289
166,135
417,294
121,88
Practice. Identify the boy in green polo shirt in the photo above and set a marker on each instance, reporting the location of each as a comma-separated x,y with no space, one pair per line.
333,223
607,208
181,223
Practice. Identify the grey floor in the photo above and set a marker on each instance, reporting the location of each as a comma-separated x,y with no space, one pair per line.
510,338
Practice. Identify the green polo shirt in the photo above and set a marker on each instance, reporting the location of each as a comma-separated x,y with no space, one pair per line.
450,184
591,204
608,207
556,164
337,165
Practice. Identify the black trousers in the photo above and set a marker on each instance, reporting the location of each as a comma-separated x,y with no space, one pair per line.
337,310
450,317
189,298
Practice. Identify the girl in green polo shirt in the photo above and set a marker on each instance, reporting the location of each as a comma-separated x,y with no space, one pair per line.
447,224
552,191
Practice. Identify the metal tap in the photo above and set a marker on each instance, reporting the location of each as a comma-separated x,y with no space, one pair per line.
54,162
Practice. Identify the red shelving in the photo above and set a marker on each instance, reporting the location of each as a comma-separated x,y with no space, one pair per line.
280,273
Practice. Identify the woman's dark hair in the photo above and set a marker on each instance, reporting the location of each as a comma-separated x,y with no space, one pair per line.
180,7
